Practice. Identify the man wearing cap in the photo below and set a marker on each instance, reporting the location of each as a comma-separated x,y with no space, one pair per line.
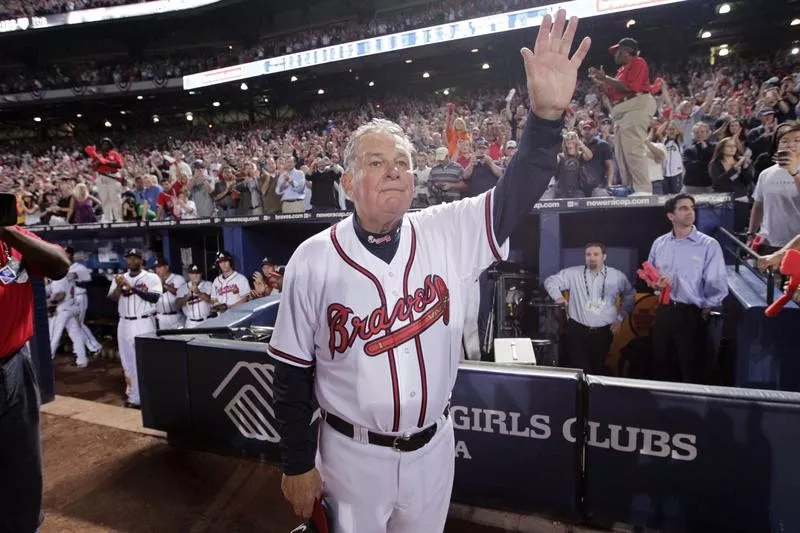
633,107
445,180
67,312
136,292
167,308
201,190
230,286
602,161
266,281
481,173
107,162
22,255
508,152
195,298
82,276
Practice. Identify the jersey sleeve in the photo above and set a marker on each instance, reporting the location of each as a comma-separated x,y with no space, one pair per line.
183,290
206,287
243,285
112,288
293,339
214,293
154,284
465,228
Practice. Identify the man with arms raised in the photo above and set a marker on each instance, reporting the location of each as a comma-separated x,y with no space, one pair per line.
371,318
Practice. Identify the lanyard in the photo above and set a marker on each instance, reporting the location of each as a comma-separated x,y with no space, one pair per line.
5,256
586,284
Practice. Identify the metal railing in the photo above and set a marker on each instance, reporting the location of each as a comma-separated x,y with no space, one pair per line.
740,252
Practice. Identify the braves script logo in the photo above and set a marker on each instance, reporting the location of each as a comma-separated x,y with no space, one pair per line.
383,240
345,328
228,288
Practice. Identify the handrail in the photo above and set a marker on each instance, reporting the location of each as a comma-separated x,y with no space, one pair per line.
769,277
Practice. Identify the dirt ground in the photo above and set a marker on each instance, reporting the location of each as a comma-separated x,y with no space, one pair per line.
100,479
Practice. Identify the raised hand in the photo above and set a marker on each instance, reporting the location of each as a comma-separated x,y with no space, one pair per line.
551,74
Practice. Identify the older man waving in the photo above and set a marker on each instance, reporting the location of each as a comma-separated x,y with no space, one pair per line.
372,314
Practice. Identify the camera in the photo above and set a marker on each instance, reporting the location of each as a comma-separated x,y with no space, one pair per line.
8,209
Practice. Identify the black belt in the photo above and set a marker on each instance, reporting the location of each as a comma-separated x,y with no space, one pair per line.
673,303
589,328
197,319
398,443
136,317
172,313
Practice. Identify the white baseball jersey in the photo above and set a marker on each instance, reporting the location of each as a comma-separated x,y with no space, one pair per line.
166,304
78,272
195,308
230,290
134,305
386,338
66,286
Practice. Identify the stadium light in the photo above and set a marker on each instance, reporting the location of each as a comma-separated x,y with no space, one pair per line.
156,120
794,22
191,92
230,47
210,125
474,50
321,91
724,51
409,61
243,86
371,84
189,117
140,97
705,35
107,124
795,51
293,79
724,9
426,75
215,104
266,99
630,23
446,92
486,66
123,112
37,119
79,115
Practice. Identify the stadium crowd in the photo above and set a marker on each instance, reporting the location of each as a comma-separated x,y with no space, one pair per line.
36,8
60,76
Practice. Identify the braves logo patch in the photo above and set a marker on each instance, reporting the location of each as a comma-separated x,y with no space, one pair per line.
432,301
382,240
228,288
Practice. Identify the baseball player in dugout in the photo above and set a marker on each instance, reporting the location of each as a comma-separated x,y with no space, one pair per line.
230,286
136,292
194,298
168,311
594,317
691,265
266,280
81,277
372,312
22,254
67,316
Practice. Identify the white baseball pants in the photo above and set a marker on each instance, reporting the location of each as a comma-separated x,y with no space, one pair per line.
83,304
374,489
69,320
109,191
170,321
127,331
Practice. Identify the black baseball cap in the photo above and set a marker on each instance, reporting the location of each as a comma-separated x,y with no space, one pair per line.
69,250
106,140
134,251
268,261
160,262
224,255
194,269
627,42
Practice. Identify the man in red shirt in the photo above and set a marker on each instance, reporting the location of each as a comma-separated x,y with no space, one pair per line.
22,254
107,163
632,109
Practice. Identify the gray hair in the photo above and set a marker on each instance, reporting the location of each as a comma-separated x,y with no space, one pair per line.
381,126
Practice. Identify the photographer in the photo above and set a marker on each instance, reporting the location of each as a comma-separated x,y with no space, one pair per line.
481,173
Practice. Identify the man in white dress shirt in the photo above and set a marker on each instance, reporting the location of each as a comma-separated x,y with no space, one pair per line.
594,316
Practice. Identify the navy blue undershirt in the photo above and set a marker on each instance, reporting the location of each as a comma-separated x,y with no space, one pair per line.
520,187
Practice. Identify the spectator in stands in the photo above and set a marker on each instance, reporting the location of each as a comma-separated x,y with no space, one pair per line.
776,208
107,164
225,196
179,170
446,179
481,173
324,180
291,186
455,131
572,170
672,166
269,197
200,191
184,207
633,107
692,265
422,173
760,138
656,154
696,159
602,161
31,209
81,206
594,317
165,202
249,193
731,172
151,192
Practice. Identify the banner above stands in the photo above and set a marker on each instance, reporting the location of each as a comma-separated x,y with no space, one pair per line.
574,204
451,31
